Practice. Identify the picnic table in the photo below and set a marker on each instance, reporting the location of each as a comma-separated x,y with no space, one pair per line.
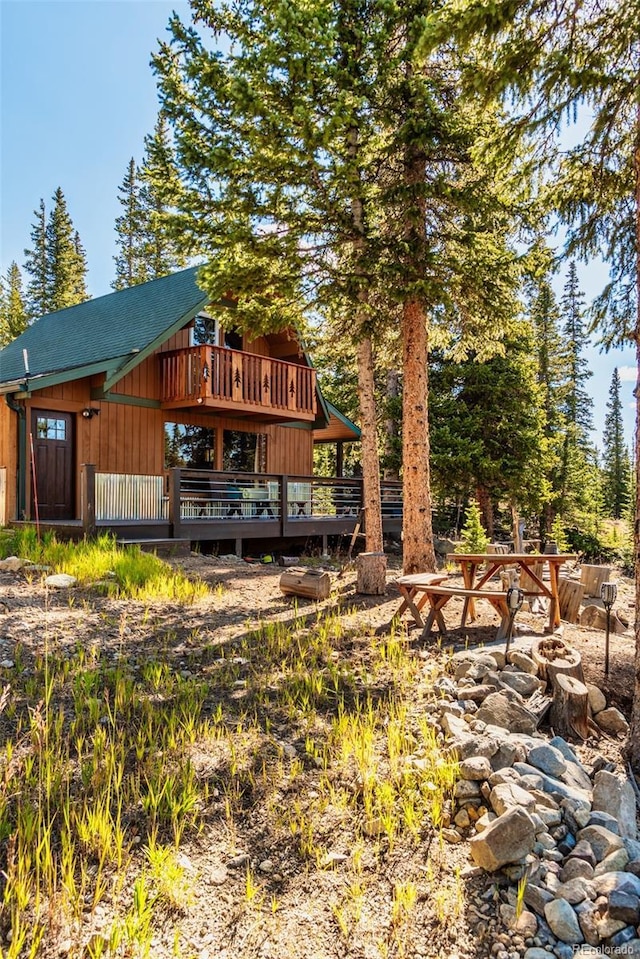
470,564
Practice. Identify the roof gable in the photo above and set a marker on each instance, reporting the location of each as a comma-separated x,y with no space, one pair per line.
105,333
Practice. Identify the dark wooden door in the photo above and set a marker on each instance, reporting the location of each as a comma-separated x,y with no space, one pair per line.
53,457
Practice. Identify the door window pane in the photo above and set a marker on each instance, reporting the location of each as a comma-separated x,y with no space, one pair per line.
48,428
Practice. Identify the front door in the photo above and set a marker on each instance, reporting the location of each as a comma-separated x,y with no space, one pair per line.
52,471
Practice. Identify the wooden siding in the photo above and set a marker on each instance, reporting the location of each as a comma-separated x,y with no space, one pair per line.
336,430
9,453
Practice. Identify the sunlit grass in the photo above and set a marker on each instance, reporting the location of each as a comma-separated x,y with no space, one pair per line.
126,573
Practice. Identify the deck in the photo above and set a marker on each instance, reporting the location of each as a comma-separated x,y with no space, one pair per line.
205,505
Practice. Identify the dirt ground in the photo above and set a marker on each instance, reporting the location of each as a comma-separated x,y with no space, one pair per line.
301,921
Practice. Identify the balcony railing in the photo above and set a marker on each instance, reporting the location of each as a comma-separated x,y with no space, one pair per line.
205,504
230,379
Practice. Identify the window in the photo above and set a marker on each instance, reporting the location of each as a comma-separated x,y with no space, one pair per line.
48,428
206,330
191,447
244,452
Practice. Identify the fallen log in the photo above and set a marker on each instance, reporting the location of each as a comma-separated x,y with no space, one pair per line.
309,583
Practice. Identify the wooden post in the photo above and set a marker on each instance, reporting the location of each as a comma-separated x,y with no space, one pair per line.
175,519
88,475
372,574
284,505
592,578
570,594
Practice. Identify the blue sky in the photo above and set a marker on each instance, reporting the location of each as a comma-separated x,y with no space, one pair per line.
77,97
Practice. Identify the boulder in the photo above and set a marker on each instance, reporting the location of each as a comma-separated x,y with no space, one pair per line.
524,663
475,768
507,839
548,759
602,841
614,794
505,796
500,710
597,702
612,721
563,921
60,581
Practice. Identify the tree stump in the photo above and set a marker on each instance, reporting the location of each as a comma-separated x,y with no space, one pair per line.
570,594
592,578
570,707
553,658
371,571
310,583
596,617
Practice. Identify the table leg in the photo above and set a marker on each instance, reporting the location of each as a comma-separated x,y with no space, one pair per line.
435,614
408,603
469,607
554,602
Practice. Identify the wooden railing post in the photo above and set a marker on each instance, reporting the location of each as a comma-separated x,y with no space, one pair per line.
88,499
175,519
284,505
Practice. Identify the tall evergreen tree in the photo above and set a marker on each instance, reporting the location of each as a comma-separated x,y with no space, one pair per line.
159,179
131,263
57,262
616,466
13,310
322,163
66,260
37,266
578,405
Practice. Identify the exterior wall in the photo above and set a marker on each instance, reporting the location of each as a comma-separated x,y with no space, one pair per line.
9,454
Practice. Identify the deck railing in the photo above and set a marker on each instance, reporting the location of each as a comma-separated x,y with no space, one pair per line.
216,376
205,501
122,496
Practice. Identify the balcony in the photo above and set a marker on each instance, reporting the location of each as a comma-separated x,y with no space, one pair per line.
240,383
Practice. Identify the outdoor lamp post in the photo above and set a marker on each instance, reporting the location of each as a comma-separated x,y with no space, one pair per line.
515,599
608,593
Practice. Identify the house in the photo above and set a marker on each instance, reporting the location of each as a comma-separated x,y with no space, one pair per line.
140,413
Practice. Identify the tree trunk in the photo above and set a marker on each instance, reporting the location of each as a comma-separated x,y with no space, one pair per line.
417,533
486,508
633,742
391,428
369,440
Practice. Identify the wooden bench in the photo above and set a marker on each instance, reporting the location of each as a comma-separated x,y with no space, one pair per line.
415,585
438,597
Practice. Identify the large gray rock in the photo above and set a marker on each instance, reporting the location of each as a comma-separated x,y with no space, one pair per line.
612,721
537,897
555,786
588,916
576,774
576,890
597,702
575,867
548,759
523,683
614,862
60,581
602,841
614,794
500,710
508,839
624,906
523,662
624,881
505,796
563,921
475,768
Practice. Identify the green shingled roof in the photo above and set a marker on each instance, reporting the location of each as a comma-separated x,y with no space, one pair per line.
105,333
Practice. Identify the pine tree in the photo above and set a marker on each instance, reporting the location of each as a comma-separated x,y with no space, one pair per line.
131,263
66,260
578,405
37,266
616,455
159,251
57,262
13,311
473,536
322,162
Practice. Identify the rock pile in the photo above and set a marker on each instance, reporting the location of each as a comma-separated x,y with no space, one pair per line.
564,833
